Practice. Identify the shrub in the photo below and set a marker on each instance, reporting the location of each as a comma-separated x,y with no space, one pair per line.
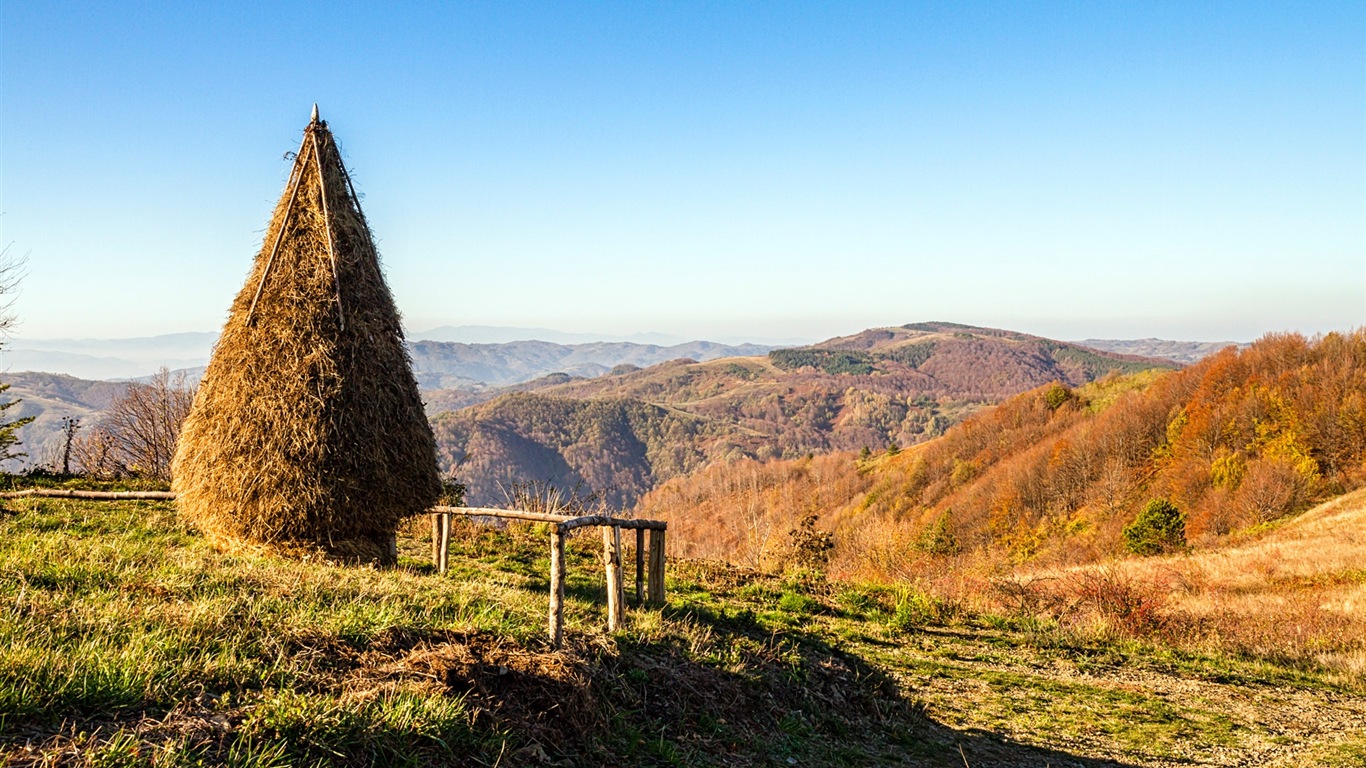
1130,607
1056,396
1160,527
938,538
811,547
916,608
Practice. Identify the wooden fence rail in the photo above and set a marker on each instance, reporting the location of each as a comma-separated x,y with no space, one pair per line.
64,493
649,586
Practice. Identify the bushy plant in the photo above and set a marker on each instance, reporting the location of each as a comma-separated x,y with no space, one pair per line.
811,547
1056,396
916,608
938,538
1160,527
1131,607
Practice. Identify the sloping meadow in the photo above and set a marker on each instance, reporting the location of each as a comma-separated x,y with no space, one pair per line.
128,640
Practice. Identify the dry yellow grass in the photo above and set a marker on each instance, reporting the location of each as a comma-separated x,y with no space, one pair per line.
1296,591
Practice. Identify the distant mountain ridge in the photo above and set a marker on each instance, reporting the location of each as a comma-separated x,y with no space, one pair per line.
444,364
886,385
880,387
489,355
1180,351
106,359
437,364
497,334
473,368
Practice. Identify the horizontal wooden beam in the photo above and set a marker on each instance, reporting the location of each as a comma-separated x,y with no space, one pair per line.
615,522
509,514
565,522
63,493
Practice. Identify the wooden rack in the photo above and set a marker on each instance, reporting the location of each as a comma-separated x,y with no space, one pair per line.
649,583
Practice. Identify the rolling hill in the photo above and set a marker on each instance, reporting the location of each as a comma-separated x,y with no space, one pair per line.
887,386
1052,476
437,362
49,398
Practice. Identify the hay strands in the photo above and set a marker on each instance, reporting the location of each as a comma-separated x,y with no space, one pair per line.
327,224
296,176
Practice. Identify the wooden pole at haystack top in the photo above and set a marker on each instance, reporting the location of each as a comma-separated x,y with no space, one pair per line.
308,432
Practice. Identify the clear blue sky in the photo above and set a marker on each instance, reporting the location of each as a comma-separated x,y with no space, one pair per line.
1185,170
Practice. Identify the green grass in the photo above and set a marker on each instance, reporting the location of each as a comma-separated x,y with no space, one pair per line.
126,640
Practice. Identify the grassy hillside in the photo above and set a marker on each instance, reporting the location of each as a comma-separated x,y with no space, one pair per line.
49,398
885,386
1243,439
127,641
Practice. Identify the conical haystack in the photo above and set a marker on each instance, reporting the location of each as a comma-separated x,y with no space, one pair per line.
307,428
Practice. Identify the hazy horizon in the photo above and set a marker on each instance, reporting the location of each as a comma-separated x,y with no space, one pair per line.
514,333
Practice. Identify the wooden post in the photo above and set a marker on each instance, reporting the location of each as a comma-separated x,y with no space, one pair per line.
556,586
640,566
443,559
436,539
611,555
656,567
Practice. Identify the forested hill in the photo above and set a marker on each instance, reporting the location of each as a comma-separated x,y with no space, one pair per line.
623,433
1241,439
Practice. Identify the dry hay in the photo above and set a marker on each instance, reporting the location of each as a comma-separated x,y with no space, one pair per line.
308,429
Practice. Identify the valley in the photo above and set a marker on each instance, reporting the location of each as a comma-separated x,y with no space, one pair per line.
883,387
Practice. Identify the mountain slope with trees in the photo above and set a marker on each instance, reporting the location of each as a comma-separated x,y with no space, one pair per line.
884,387
1240,440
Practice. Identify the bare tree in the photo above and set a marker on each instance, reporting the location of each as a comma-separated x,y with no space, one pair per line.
11,272
137,434
70,426
97,454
